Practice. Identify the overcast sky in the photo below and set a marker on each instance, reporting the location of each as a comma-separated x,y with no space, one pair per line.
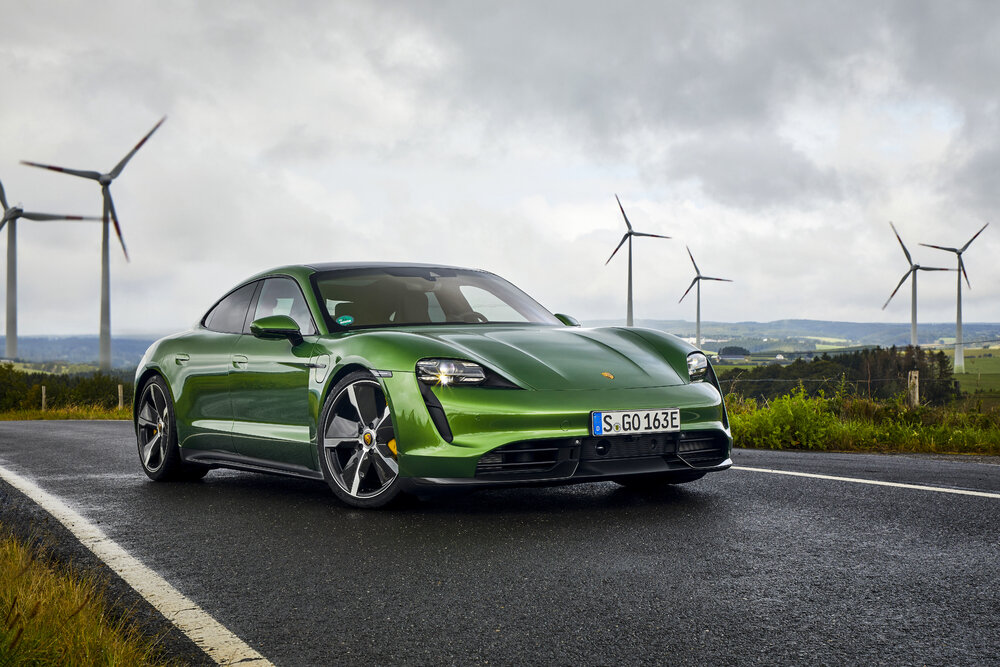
776,139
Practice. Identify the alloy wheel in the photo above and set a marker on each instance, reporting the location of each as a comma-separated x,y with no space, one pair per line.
359,442
154,422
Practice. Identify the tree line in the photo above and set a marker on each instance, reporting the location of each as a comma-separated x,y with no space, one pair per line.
879,373
20,390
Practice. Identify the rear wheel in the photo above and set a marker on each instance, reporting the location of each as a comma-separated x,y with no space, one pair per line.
659,480
357,444
156,435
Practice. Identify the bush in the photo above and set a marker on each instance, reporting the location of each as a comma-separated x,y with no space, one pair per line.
845,422
23,391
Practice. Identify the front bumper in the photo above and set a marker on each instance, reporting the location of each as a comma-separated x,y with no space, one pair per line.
516,437
592,459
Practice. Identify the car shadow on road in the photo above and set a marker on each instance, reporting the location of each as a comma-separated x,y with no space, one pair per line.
255,490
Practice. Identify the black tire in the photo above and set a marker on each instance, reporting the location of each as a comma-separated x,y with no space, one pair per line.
353,443
156,436
659,480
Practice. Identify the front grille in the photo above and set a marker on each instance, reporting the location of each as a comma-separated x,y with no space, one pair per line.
561,457
629,446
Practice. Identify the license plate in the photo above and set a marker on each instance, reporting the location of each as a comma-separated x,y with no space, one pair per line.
627,422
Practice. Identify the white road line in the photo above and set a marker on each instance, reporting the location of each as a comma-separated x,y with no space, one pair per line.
211,636
855,480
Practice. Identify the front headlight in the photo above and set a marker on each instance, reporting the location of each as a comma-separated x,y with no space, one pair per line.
450,371
697,367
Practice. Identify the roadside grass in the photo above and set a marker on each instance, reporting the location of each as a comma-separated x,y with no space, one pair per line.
68,412
851,423
57,615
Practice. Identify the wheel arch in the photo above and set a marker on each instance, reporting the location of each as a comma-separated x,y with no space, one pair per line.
140,383
332,381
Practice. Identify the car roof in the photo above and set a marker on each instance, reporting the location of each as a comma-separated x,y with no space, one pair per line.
305,270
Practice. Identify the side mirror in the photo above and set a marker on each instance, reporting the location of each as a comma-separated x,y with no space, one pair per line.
276,327
567,320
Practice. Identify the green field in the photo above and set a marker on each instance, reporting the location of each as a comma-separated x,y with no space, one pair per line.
53,367
982,371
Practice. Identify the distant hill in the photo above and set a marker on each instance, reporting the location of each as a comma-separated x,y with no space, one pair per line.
125,352
780,335
785,334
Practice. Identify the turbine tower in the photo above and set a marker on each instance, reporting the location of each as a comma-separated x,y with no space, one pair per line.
11,214
959,347
109,210
628,237
911,272
697,281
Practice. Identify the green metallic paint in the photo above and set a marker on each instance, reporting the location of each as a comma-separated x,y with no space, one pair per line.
270,408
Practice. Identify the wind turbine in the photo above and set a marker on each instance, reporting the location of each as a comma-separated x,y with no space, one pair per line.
11,214
697,281
959,349
912,271
109,209
628,237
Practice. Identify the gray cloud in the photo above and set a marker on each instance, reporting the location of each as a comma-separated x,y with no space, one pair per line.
494,134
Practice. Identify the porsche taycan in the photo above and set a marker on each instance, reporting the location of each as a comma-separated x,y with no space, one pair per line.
382,379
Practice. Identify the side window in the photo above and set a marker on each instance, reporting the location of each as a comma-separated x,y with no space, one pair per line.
281,296
229,314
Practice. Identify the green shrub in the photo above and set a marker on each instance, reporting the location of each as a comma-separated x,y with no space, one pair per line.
845,422
20,390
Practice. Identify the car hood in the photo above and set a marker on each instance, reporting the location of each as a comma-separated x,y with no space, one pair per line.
553,358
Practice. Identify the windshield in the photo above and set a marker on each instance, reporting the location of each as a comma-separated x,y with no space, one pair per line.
389,296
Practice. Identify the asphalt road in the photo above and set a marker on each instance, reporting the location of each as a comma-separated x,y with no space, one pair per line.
741,567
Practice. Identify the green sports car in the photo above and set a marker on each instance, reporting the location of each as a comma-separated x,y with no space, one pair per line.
390,378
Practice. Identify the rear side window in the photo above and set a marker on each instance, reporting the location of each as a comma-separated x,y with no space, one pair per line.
229,315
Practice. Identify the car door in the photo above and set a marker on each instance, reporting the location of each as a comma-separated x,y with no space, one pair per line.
269,382
201,394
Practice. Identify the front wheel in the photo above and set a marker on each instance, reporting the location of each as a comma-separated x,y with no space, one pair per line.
156,435
357,444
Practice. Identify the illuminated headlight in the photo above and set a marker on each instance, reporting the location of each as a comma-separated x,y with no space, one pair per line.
450,371
697,367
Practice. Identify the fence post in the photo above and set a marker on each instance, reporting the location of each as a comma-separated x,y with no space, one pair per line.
43,398
913,385
121,400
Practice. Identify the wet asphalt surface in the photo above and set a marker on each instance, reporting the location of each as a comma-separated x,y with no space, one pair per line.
738,568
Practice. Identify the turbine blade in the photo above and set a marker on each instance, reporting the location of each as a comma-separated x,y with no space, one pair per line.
655,236
3,197
721,280
932,268
901,244
965,247
941,247
624,239
121,165
627,223
92,175
961,267
902,280
696,278
52,216
114,218
3,221
696,270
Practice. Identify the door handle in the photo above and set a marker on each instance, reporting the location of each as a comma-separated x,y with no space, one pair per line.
181,359
240,361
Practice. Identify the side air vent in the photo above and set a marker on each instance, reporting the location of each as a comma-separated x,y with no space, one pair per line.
539,456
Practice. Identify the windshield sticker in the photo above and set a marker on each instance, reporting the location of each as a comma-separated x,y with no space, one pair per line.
345,320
